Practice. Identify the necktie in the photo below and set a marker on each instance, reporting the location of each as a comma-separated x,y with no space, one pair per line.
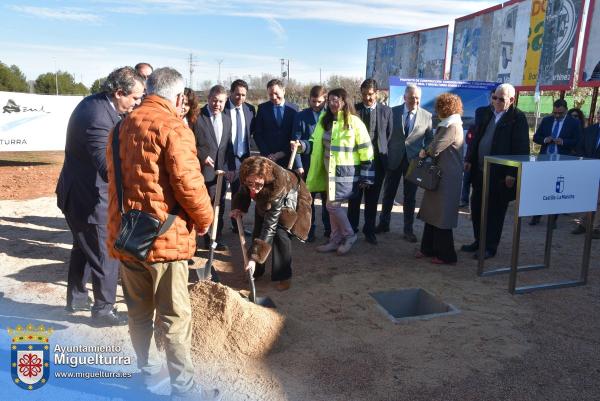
279,115
367,119
552,147
239,135
216,128
407,124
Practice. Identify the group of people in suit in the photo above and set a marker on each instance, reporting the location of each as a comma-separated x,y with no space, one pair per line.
343,155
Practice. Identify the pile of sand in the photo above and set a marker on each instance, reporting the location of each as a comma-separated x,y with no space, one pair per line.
226,326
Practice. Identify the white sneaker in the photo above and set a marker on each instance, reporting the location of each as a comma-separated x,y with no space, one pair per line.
328,247
344,248
196,393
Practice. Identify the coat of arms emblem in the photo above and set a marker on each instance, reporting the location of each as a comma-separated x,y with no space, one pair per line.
30,356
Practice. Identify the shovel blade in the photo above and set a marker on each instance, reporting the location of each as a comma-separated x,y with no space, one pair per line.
265,302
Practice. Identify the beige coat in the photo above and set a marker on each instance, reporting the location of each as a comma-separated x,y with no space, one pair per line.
440,207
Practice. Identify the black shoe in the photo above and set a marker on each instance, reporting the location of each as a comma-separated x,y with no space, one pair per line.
221,247
535,220
488,254
382,228
410,237
579,229
470,248
112,318
80,306
311,235
371,238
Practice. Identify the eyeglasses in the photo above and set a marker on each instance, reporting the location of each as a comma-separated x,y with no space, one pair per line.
499,99
256,185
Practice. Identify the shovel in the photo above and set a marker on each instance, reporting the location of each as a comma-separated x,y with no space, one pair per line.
262,301
293,155
194,274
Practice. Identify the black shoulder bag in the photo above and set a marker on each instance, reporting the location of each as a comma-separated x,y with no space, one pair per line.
138,229
425,173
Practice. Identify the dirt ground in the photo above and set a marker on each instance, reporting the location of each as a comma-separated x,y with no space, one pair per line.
334,343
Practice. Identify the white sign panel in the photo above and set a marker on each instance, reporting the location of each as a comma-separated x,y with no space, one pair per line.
553,187
34,122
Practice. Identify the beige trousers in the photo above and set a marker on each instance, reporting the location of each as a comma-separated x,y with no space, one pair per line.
161,287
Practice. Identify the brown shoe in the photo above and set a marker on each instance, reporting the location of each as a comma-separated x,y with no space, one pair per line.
284,285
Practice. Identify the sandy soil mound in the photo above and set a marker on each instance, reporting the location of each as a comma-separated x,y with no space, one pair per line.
226,326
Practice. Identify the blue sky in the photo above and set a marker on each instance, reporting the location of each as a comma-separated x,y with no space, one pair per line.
91,38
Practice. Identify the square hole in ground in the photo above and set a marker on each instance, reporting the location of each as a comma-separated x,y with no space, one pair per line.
411,304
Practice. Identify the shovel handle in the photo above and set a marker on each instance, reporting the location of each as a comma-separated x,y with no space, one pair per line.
240,227
213,231
293,156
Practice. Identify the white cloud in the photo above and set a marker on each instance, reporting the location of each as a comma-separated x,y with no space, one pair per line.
277,29
392,14
65,14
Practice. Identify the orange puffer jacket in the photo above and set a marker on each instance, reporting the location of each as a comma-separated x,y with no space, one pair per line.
159,168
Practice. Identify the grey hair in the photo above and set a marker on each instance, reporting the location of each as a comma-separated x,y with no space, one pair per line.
217,90
165,82
508,88
123,78
412,87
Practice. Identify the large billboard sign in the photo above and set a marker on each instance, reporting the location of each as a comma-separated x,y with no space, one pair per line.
419,54
34,122
520,42
590,59
491,45
472,94
562,24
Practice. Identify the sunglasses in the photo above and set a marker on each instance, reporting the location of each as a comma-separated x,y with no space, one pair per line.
500,99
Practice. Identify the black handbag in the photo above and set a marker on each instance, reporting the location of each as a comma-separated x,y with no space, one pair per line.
138,229
425,173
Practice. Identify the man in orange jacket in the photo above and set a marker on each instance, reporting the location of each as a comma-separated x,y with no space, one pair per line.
160,170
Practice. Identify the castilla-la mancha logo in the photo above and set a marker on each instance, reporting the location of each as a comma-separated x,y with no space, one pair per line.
30,356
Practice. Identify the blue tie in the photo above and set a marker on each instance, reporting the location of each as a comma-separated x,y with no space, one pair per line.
239,135
279,115
552,147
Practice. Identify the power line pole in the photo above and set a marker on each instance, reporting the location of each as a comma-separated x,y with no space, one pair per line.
219,62
191,69
55,77
285,69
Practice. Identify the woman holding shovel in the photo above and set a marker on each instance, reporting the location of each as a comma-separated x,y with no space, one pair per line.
282,211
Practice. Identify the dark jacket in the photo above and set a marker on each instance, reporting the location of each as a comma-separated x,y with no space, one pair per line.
383,129
206,145
249,114
284,202
570,133
588,145
82,189
269,136
511,137
304,125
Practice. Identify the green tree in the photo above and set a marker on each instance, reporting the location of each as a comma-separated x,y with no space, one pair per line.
12,79
97,85
46,84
